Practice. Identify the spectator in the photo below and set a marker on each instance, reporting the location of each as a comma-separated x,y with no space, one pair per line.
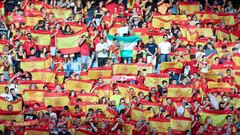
7,95
102,52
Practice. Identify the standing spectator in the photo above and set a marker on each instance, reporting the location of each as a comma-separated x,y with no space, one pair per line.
151,49
102,52
7,95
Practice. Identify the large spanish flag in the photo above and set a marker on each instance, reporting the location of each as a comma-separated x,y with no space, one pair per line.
161,124
180,91
152,80
218,116
219,69
180,124
47,75
8,116
137,114
165,67
68,44
222,34
36,132
35,63
104,91
189,7
17,105
219,87
33,20
125,69
29,96
78,85
96,73
57,100
42,38
88,97
25,84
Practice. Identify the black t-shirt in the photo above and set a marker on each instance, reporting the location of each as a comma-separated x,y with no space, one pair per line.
151,47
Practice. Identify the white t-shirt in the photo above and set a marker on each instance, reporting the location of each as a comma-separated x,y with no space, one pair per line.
8,97
101,46
165,47
123,30
14,86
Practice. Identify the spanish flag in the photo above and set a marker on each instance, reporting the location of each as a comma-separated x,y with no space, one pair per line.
210,76
42,38
179,91
234,35
152,80
219,69
110,113
138,88
145,69
158,37
48,76
82,105
32,63
189,7
37,4
78,85
154,105
68,44
29,96
76,27
84,132
228,19
57,100
137,114
165,67
8,116
237,78
125,69
59,77
2,86
141,31
180,124
36,132
17,105
161,124
235,101
104,91
158,23
219,87
206,32
96,73
123,88
61,13
33,20
208,17
84,76
88,97
25,84
218,117
128,128
222,34
178,18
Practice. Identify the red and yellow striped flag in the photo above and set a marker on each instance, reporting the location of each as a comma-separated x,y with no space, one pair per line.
88,97
48,76
228,19
57,100
84,132
180,124
138,88
78,85
219,87
17,105
234,35
208,17
2,86
36,132
210,76
158,23
35,63
125,69
68,44
189,7
123,88
219,69
206,32
154,105
128,128
59,77
104,91
29,96
33,20
110,113
222,34
145,69
42,38
137,114
218,117
237,78
8,116
84,76
96,73
180,91
61,13
25,84
103,107
76,27
165,67
152,80
161,124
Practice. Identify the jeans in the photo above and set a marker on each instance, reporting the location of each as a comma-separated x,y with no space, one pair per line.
115,58
101,61
127,59
6,75
163,58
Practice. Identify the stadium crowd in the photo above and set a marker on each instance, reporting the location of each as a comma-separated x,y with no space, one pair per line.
129,67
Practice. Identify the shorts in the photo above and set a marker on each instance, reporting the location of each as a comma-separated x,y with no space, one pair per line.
151,60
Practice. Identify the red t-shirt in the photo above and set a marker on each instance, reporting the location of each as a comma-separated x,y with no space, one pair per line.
85,49
27,45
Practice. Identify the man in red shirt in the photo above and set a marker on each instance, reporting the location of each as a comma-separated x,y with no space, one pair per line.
169,107
229,78
29,43
85,52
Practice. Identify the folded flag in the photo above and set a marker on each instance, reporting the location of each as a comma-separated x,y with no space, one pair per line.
125,69
29,96
218,117
165,67
68,44
48,76
161,124
180,124
129,42
96,73
17,105
78,85
152,80
42,38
